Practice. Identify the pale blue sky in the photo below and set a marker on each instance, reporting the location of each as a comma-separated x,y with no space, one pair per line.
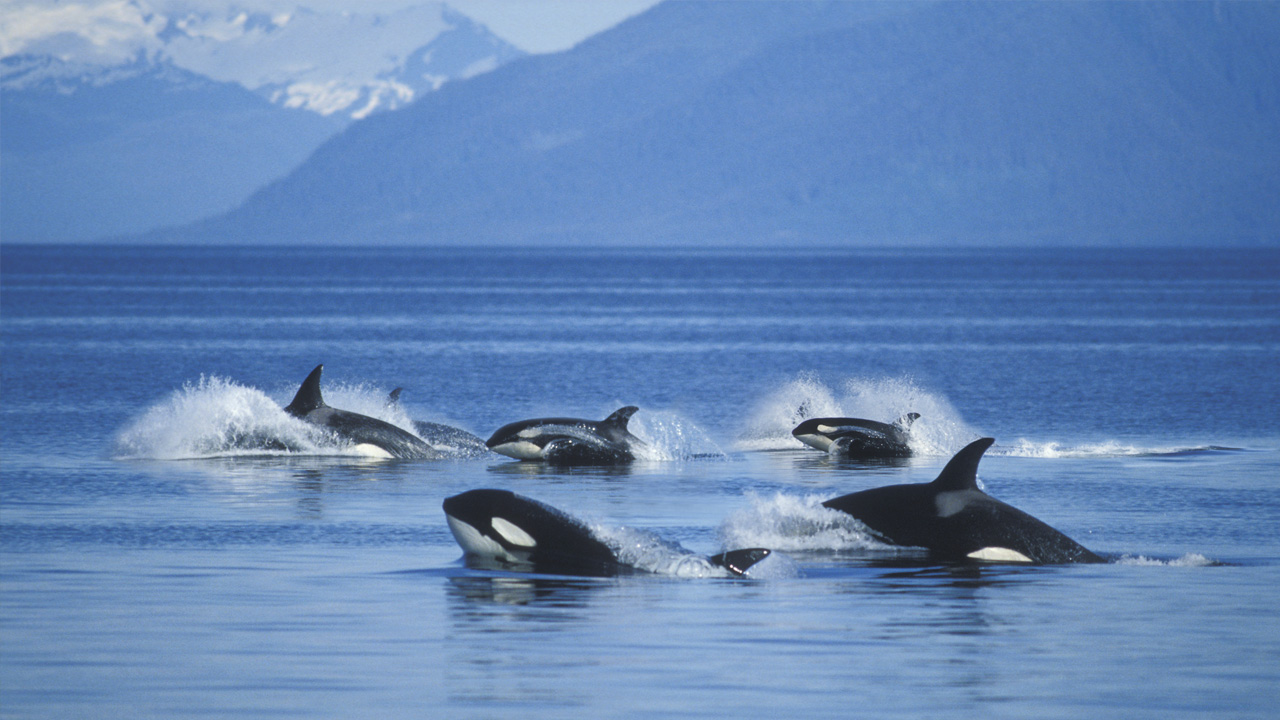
536,26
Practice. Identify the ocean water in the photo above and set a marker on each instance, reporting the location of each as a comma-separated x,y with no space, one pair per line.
155,561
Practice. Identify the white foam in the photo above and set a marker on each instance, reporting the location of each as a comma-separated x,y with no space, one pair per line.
790,523
777,566
1023,447
779,412
217,417
365,399
646,551
939,431
1188,560
668,435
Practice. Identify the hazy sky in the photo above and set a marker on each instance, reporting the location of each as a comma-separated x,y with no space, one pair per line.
549,25
531,25
537,26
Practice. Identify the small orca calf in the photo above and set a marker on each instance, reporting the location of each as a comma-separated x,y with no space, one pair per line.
856,438
956,521
520,532
569,441
365,432
446,439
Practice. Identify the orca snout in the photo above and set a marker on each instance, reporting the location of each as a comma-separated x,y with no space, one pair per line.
808,427
475,506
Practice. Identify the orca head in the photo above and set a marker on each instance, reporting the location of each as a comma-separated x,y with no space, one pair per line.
534,439
816,433
491,523
308,397
522,440
501,525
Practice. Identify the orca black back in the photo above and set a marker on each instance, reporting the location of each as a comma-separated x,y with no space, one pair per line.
956,521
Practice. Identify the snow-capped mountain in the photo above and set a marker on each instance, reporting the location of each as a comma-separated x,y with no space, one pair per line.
90,151
793,122
347,65
121,116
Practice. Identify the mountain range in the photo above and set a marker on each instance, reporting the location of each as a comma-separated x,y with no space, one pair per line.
824,123
130,119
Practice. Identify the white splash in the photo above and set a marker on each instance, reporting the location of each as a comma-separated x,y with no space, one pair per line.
668,435
1104,449
643,550
775,416
939,431
365,399
647,552
1188,560
217,417
790,523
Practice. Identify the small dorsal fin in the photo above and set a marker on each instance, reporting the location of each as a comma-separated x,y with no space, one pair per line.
739,561
393,397
619,419
308,397
961,473
905,421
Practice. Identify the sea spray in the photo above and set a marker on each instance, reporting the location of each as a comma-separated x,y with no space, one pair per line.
1025,448
367,399
668,435
216,417
647,552
771,421
796,524
939,431
1188,560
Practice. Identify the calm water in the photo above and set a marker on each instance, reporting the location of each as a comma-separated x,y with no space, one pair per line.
152,566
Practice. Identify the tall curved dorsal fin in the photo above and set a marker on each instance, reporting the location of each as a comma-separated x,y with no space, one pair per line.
961,473
619,419
308,397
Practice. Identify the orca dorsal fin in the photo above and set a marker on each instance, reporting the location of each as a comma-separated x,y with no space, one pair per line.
393,397
619,419
308,397
961,473
905,421
739,561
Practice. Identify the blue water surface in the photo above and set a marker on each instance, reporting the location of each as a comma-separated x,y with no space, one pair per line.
152,564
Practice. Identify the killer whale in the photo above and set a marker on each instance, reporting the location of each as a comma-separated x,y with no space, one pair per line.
857,438
361,430
569,441
956,521
521,533
445,439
